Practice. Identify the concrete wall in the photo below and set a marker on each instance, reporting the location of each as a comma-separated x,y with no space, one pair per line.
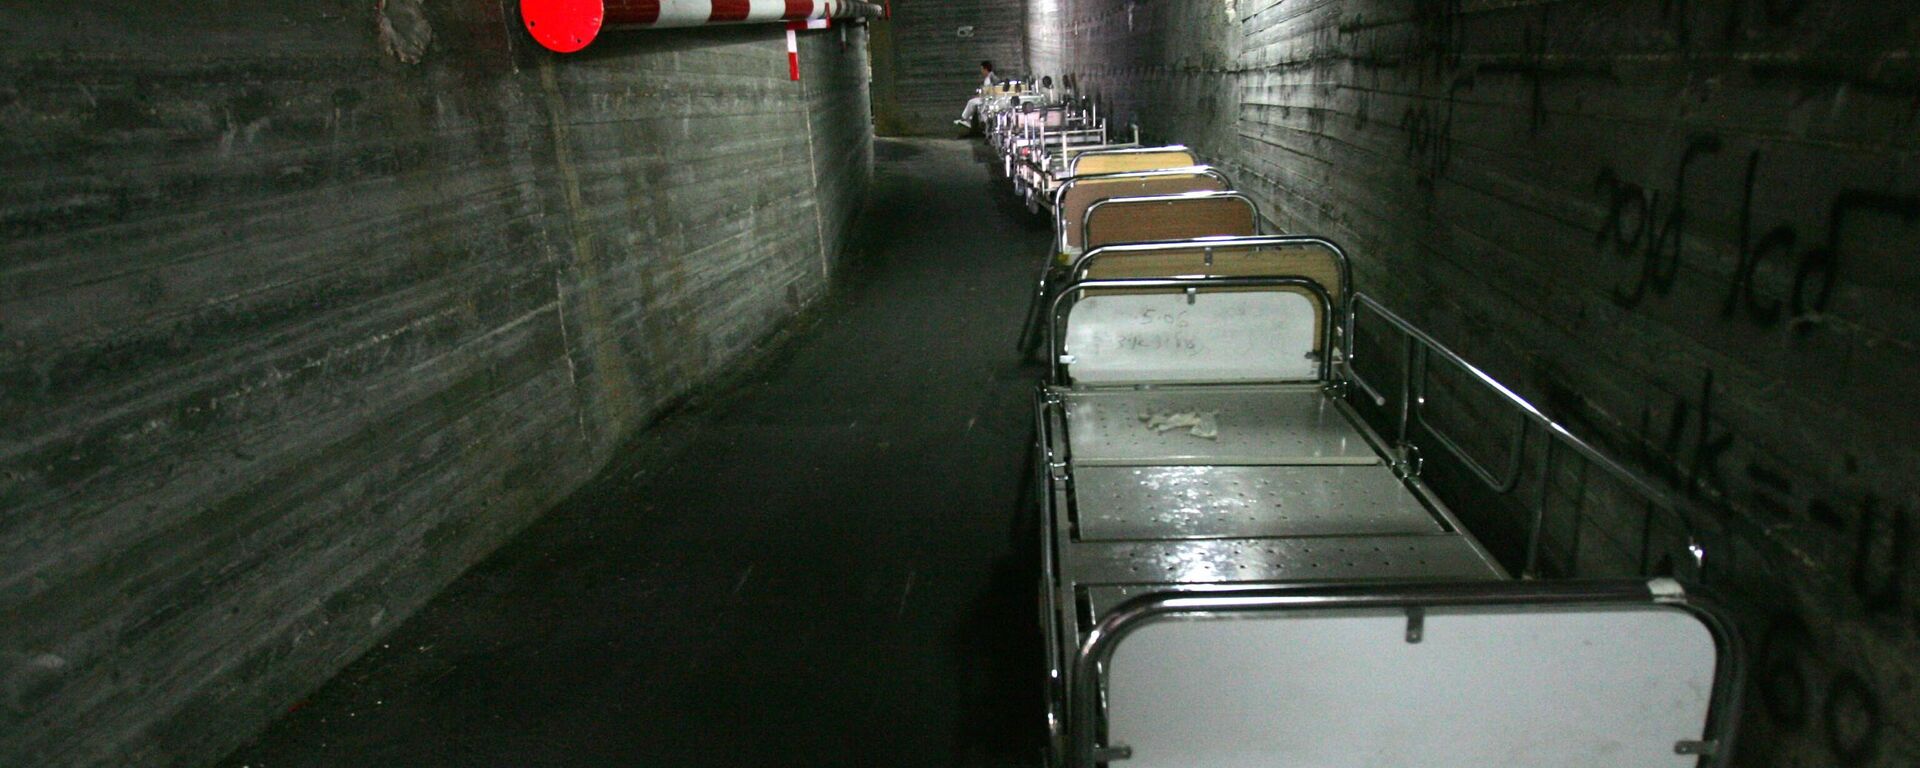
924,71
1687,227
306,307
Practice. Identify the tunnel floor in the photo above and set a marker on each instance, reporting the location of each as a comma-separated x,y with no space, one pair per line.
817,564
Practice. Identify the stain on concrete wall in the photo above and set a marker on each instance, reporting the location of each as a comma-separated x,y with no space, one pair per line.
926,60
404,29
305,308
1685,226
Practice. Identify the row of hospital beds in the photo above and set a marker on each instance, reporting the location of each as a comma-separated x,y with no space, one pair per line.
1038,138
1243,562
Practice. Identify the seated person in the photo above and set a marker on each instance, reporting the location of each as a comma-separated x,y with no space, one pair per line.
972,109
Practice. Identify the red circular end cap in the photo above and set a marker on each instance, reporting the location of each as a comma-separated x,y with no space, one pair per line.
563,25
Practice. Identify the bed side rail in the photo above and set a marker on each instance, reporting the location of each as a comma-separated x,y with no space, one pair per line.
1538,455
1067,154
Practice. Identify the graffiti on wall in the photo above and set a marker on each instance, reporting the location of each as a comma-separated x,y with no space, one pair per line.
1429,130
1805,683
1646,228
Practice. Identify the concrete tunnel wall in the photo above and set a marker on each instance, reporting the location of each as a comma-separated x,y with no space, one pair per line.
313,307
1686,228
305,308
927,60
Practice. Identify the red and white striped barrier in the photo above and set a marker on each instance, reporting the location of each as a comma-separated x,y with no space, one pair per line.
569,25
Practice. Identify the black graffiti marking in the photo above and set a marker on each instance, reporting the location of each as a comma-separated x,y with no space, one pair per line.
1442,39
1669,468
1680,13
1430,133
1823,263
1580,414
1535,47
1689,453
1532,67
1852,719
1630,229
1880,556
1709,450
1708,447
1639,227
1781,238
1426,145
1781,671
1882,540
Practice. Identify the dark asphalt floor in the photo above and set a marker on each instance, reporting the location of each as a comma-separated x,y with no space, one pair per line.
816,565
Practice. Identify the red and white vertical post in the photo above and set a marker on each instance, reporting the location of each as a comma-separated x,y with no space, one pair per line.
793,49
793,43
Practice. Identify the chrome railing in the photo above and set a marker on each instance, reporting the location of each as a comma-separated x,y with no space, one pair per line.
1419,354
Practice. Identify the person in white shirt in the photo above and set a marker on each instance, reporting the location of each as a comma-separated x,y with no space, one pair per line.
973,105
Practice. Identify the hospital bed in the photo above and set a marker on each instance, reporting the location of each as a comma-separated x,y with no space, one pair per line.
1039,175
1239,570
1036,130
1075,200
1139,206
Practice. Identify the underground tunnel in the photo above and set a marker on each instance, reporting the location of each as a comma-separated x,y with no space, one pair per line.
1288,383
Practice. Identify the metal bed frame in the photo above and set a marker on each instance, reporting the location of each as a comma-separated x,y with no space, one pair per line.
1042,173
1210,245
1410,401
1081,640
1052,271
1019,142
1039,141
1057,370
1037,137
1059,195
1089,745
1086,221
1035,326
1073,165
